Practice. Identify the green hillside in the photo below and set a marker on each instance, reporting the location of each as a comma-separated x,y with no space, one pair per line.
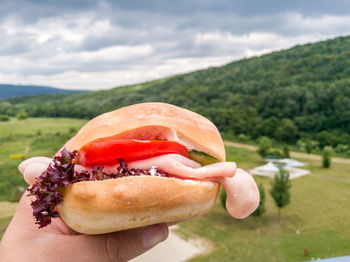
302,92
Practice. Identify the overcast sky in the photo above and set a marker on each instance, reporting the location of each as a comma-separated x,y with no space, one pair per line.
84,44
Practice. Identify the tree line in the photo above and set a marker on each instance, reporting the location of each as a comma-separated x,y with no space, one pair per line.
298,94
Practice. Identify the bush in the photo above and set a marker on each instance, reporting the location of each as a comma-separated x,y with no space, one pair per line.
327,156
72,130
4,118
280,190
286,153
301,145
223,197
243,138
261,208
22,115
287,131
309,146
274,152
341,148
264,146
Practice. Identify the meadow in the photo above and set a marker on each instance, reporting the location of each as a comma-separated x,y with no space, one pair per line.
21,139
317,219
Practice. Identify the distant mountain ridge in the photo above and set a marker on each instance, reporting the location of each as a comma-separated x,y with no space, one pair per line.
10,91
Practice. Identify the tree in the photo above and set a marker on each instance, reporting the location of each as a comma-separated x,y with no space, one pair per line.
22,115
287,131
261,208
269,126
243,138
264,146
327,156
286,153
223,197
4,118
280,190
308,146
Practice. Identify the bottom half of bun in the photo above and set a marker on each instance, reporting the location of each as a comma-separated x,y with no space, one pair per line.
97,207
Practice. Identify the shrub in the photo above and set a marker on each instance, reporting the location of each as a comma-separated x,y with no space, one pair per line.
274,152
223,197
286,153
264,146
309,146
261,208
301,145
22,115
327,156
4,118
243,138
341,148
72,130
280,190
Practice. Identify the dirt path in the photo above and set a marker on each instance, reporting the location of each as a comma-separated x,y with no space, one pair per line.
174,249
293,154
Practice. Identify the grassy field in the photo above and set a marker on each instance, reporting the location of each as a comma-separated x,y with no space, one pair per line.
21,139
319,211
319,208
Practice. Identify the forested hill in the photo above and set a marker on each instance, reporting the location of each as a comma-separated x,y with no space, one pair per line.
8,91
300,92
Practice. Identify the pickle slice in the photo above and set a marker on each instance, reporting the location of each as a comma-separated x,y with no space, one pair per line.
202,158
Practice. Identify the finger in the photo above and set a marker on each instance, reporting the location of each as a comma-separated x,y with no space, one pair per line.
33,168
40,159
119,246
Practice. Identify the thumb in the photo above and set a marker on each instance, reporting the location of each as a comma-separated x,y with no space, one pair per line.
118,246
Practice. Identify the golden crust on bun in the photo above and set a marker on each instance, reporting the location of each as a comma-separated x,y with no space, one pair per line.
97,207
154,121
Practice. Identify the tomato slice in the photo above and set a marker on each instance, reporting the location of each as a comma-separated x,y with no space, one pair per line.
107,151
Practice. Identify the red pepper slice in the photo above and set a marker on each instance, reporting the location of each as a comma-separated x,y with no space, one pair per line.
107,151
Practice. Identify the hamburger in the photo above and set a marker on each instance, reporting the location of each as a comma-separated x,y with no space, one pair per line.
140,165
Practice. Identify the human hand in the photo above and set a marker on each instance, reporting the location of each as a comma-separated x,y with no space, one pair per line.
23,241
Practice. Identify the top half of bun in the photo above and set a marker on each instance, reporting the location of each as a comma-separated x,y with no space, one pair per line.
154,121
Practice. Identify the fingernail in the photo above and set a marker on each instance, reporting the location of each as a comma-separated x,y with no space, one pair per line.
155,234
22,166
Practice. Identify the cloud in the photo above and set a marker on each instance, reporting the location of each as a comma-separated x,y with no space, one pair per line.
101,44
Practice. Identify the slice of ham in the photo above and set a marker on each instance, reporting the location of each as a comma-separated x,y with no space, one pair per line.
181,166
242,192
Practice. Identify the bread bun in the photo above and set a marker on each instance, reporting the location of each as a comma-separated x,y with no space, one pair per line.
154,121
95,207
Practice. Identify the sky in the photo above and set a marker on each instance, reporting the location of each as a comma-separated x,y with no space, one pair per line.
85,44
